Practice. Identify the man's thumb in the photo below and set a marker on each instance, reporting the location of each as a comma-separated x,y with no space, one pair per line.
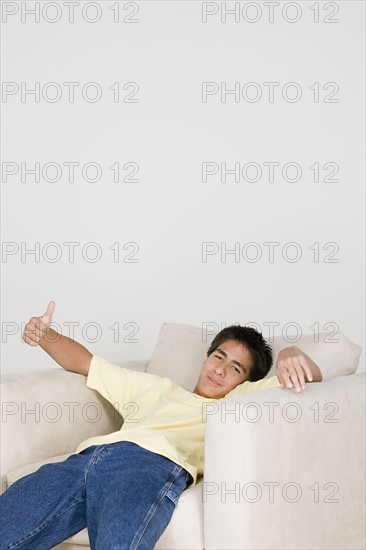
47,316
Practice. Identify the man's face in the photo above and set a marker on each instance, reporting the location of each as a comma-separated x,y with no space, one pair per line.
228,366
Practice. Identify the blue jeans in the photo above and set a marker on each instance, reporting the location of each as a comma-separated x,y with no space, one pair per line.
124,494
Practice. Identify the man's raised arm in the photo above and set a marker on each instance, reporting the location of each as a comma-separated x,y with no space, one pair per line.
68,353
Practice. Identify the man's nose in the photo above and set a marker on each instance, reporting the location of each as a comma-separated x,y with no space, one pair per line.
221,369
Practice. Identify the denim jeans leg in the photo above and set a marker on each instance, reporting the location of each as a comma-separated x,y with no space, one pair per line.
44,508
161,511
131,496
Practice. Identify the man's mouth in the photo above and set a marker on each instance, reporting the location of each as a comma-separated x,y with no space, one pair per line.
213,382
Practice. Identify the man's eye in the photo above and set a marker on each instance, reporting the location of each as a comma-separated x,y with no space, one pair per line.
218,356
236,368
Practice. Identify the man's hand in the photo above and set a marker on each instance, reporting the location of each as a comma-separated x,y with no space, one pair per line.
68,353
36,327
294,368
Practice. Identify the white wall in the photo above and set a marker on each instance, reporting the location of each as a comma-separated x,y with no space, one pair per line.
169,52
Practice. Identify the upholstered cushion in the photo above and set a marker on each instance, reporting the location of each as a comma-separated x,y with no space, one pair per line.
185,530
181,350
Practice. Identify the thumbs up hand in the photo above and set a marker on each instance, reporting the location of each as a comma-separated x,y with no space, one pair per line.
47,316
36,327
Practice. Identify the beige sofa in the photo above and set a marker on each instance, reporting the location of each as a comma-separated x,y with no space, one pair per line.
282,470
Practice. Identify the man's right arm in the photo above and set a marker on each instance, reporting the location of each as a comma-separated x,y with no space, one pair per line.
68,353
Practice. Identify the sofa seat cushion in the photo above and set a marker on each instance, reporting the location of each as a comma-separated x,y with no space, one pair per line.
185,530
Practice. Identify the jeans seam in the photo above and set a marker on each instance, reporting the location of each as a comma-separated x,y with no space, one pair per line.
97,454
136,540
43,526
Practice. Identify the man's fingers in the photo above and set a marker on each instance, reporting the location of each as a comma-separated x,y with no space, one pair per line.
38,328
291,374
34,330
283,376
33,335
297,375
293,381
29,341
299,382
281,379
292,367
47,316
306,368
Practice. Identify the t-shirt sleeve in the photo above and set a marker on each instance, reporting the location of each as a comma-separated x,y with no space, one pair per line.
250,387
116,384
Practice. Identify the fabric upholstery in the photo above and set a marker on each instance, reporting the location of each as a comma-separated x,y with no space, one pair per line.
317,462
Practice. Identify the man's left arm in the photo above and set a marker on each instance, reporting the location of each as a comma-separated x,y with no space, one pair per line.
294,368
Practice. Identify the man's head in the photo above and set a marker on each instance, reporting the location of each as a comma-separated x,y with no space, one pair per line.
237,354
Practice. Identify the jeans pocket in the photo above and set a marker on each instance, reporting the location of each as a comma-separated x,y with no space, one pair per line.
179,485
172,496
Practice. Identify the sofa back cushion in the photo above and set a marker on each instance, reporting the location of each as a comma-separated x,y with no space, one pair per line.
181,350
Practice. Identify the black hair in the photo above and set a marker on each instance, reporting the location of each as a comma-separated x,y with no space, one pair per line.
253,341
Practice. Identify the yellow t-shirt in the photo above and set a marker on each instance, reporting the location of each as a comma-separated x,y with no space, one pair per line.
159,415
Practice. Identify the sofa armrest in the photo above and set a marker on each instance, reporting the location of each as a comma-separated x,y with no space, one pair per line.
285,470
48,413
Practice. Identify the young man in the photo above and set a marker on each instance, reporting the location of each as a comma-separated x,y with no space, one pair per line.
124,486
